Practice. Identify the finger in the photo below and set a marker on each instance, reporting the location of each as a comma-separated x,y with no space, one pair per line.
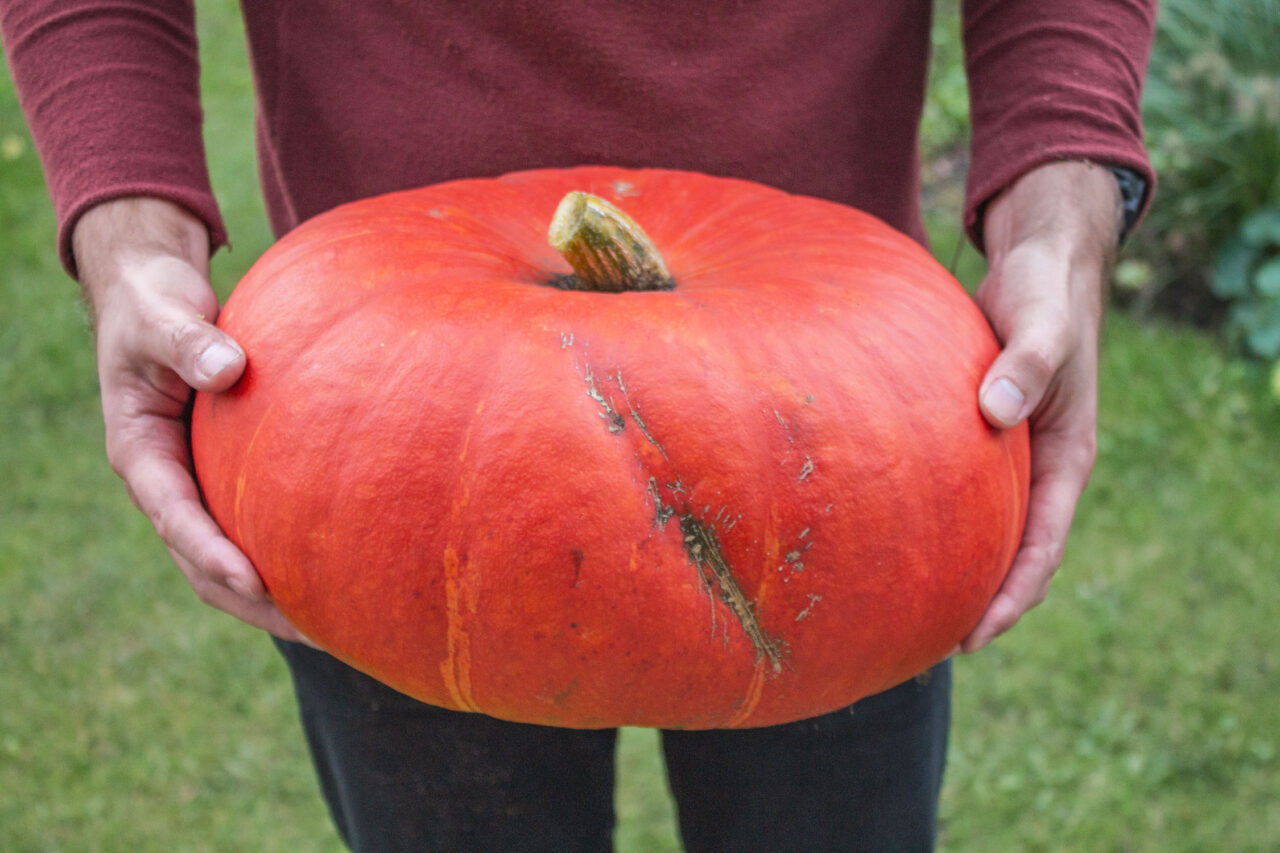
161,489
220,574
258,613
160,312
1017,380
1055,491
154,470
205,357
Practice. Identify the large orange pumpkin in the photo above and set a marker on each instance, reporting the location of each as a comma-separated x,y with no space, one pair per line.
750,493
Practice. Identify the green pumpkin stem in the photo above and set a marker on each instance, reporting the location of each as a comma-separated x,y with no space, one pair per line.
608,251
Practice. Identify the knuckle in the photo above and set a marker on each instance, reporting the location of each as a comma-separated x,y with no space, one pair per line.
1089,450
117,458
1006,623
162,521
187,339
122,457
1043,559
206,591
1040,360
167,519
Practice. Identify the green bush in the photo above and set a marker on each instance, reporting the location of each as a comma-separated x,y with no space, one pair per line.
1247,274
1212,113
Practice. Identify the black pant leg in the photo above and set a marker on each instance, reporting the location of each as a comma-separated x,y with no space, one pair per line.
399,775
866,778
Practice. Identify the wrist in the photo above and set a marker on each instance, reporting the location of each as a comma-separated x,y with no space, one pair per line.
127,231
1073,209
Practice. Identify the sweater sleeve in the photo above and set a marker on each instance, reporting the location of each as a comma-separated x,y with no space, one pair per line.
1058,80
110,89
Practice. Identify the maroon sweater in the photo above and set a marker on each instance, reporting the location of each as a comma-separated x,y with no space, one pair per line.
815,96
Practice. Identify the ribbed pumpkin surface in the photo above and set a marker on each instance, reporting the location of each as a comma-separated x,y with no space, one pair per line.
755,497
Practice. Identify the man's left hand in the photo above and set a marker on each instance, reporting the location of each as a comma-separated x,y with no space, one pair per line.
1050,238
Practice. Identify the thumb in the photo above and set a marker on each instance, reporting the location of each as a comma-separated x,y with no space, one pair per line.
205,357
219,364
1015,383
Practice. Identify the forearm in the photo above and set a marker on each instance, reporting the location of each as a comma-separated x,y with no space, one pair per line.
1051,82
111,92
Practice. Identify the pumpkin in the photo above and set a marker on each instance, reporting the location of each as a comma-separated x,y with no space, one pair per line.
724,468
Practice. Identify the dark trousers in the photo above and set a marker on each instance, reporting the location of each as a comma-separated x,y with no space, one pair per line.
402,776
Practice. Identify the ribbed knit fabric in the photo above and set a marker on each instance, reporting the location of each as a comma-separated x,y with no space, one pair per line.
356,99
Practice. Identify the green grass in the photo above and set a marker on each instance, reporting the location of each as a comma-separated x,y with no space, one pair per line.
1137,710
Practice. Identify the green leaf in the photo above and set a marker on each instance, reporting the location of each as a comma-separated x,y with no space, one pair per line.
1231,268
1262,227
1267,279
1132,274
1262,337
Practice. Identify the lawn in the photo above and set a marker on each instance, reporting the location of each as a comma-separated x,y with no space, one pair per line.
1137,710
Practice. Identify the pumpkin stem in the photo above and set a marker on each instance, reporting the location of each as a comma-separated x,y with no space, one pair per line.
608,251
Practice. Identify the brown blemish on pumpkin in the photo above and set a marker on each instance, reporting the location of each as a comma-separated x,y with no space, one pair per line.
803,614
808,467
561,697
700,541
786,428
703,547
661,512
615,422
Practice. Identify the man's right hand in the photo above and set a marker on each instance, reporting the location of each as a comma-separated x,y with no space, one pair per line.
144,267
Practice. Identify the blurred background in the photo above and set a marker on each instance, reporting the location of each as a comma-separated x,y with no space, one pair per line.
1137,709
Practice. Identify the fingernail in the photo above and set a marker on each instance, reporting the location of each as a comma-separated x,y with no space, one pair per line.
215,358
243,590
1003,401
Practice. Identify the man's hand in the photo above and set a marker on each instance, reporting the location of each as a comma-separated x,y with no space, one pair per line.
1049,239
143,264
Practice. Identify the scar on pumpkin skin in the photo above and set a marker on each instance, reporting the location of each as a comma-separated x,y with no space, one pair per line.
661,512
615,422
635,416
700,541
703,547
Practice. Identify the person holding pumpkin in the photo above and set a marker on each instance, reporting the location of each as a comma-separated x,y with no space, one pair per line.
816,97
